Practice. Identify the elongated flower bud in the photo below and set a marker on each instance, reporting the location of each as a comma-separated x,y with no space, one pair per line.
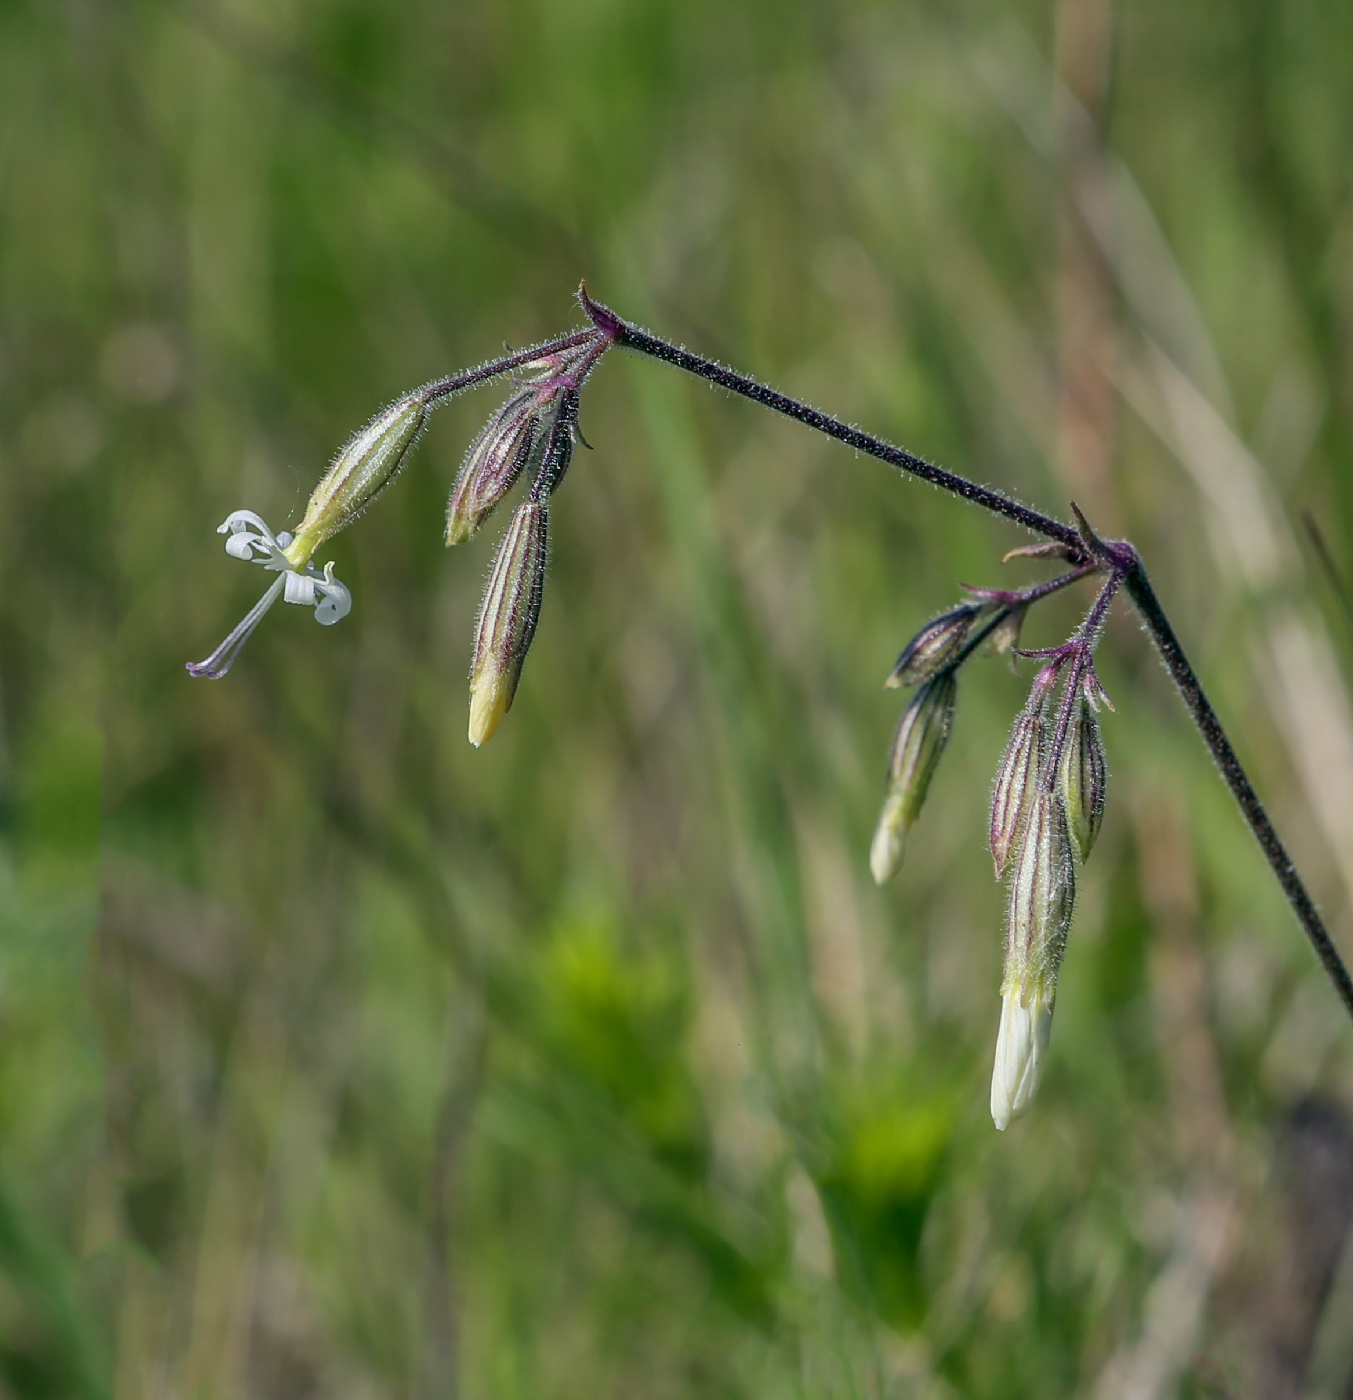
360,472
1083,776
934,646
507,617
1042,895
921,736
493,464
1019,771
555,451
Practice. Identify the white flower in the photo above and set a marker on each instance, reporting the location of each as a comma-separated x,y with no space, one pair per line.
1021,1050
248,538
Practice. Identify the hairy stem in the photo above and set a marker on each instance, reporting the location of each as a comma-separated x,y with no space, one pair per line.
467,379
1214,736
1121,560
622,333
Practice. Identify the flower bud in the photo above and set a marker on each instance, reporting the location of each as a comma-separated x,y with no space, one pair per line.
556,446
493,464
1083,776
921,736
507,617
360,472
1019,771
1021,1051
1042,895
934,646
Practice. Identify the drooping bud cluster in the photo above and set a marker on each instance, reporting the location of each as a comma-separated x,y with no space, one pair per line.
515,438
533,432
929,661
510,607
1046,802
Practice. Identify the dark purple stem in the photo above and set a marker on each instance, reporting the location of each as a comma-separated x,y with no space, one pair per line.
622,333
1214,736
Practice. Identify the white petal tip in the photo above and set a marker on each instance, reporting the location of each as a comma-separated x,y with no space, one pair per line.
1021,1052
489,701
885,852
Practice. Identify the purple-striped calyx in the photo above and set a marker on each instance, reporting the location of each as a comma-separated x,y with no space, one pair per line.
1038,918
921,736
520,435
361,471
507,617
1083,776
1020,768
934,646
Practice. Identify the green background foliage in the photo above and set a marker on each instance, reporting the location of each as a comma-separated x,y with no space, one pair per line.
337,1058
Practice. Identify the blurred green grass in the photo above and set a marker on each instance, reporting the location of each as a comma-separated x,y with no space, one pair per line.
339,1058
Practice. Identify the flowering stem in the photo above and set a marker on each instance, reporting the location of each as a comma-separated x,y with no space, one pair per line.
467,379
1124,567
1082,649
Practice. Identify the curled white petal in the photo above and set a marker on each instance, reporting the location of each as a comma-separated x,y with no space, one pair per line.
321,591
335,601
241,545
239,520
1021,1051
249,538
300,589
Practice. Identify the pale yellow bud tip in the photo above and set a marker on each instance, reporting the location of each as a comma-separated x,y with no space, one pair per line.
890,839
490,699
1021,1052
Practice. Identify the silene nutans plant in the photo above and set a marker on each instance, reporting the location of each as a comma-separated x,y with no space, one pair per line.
1049,789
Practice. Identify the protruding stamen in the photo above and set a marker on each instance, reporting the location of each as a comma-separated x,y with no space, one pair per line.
223,658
